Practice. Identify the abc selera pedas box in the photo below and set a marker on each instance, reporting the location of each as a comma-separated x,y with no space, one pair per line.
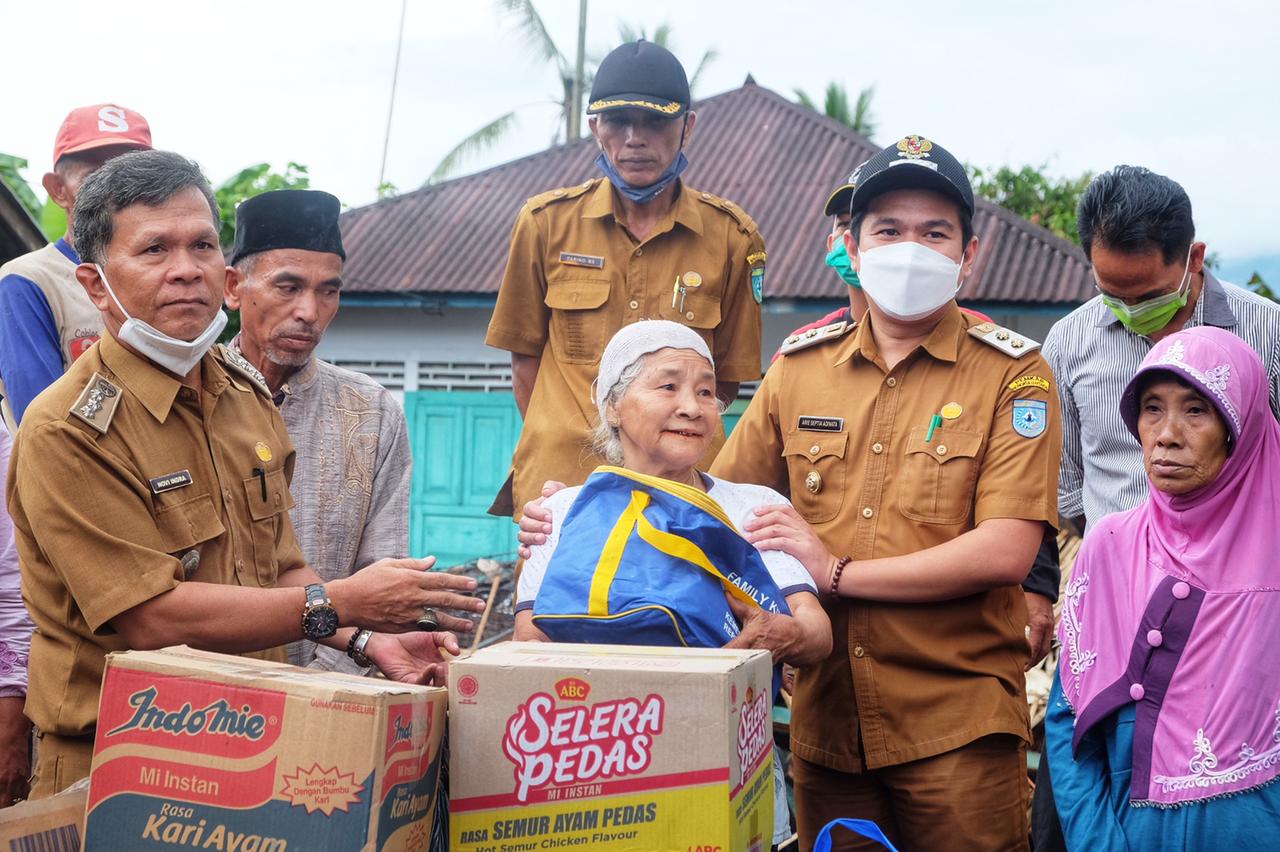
607,747
213,752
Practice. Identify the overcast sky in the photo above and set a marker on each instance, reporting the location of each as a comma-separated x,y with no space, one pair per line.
1185,88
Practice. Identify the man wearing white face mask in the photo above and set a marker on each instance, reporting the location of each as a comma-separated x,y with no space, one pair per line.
149,485
920,449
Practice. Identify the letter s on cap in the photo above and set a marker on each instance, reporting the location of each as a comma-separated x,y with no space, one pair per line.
111,120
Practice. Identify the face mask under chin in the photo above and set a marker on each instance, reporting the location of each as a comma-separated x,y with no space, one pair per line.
177,356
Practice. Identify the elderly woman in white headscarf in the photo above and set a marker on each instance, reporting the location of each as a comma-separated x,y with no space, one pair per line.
656,396
658,416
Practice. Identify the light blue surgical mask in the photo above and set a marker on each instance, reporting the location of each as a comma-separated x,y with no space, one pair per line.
642,194
838,259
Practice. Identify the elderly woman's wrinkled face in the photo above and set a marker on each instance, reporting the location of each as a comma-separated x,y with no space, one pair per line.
668,416
1184,439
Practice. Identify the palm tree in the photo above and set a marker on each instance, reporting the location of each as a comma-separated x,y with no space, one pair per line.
536,37
836,106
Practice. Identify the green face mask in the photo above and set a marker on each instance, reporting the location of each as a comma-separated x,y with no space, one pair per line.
838,259
1152,314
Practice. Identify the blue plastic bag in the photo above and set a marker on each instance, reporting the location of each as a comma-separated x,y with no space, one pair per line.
864,827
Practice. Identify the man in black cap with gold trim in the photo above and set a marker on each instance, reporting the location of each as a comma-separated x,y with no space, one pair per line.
636,244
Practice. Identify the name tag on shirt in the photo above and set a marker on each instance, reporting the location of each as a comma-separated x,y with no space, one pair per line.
170,481
809,423
570,259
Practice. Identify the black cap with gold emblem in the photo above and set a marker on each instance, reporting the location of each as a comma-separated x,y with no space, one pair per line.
640,75
912,162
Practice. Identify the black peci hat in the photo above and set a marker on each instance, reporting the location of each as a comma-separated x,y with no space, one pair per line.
912,163
640,75
288,218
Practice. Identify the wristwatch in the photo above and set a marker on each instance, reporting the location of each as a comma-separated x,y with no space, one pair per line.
319,618
355,648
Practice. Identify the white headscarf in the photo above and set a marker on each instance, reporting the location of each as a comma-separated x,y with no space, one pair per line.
632,342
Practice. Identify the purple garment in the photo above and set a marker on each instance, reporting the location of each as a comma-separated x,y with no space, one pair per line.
1175,606
15,623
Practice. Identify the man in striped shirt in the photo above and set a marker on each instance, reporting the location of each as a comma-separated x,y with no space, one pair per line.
1137,230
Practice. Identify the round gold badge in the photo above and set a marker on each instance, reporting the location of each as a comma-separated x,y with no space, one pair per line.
691,280
813,482
951,411
263,451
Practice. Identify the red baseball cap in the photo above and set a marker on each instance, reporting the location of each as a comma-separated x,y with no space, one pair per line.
98,126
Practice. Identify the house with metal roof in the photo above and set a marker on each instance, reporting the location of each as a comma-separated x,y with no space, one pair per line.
423,271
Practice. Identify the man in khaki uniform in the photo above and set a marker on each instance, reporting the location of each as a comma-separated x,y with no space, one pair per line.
921,447
149,486
637,244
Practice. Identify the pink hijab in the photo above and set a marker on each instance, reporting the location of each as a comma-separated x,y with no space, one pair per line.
1175,606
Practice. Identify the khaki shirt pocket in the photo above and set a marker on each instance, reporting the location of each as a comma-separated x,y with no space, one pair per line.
578,327
938,477
700,309
816,467
265,515
185,525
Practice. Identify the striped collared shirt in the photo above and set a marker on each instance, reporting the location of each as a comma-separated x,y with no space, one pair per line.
1093,356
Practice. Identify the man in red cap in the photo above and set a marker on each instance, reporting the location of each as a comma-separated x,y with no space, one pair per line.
46,320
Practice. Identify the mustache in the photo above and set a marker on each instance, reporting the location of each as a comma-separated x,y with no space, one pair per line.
300,329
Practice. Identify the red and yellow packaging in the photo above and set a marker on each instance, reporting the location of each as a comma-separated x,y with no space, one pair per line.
207,751
607,747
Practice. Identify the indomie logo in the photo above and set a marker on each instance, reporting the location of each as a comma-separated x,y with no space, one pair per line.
574,745
405,730
753,730
216,718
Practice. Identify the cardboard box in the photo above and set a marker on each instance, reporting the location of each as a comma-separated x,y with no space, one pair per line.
55,824
208,751
607,747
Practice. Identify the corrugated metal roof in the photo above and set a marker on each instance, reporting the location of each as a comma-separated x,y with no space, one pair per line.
774,158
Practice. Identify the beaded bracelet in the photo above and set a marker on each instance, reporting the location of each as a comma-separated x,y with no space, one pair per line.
836,572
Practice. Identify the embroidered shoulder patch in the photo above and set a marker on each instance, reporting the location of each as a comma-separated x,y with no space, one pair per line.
97,403
1030,417
1029,382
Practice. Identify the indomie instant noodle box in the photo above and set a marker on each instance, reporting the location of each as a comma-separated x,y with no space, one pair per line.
207,751
557,746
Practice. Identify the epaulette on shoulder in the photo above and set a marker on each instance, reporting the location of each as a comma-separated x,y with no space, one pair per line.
564,193
814,336
1009,342
237,362
745,223
97,403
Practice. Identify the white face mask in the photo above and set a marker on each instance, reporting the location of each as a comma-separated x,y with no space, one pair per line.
176,356
907,280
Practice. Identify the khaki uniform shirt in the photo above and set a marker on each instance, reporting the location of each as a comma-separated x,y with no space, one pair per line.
124,484
848,441
576,275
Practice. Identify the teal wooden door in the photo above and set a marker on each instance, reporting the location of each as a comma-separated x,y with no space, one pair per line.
462,445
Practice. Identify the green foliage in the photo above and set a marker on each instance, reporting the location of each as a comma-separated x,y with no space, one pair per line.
387,189
477,142
11,173
251,181
835,105
1257,285
1030,193
248,182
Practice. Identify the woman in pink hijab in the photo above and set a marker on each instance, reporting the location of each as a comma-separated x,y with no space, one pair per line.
1165,716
